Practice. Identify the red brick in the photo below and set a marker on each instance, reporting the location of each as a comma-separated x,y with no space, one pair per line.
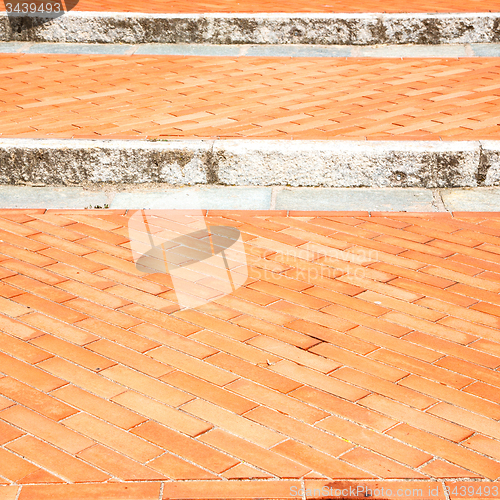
380,466
251,453
380,443
118,465
419,419
162,413
109,491
447,450
49,430
209,392
106,410
181,445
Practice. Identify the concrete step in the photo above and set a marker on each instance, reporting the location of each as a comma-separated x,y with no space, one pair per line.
255,28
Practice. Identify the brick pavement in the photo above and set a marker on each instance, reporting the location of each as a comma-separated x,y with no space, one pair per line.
184,6
360,347
80,96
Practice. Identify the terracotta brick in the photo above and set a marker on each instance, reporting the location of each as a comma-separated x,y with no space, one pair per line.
288,335
39,288
419,419
181,445
451,348
93,295
484,391
229,489
467,419
434,372
320,332
367,365
469,369
103,313
319,461
380,466
192,365
110,491
176,468
59,329
366,320
128,357
80,377
456,397
8,432
162,413
380,443
447,450
118,335
146,385
448,295
118,465
293,353
14,467
69,272
483,445
249,452
44,275
31,375
242,471
437,329
34,399
46,428
40,476
209,392
162,320
72,352
298,430
318,380
106,410
73,260
237,425
346,409
22,350
115,438
441,469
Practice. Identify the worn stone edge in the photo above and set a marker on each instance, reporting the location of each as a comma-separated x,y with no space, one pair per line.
432,164
290,29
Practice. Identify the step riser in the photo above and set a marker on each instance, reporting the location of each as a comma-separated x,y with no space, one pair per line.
323,29
251,163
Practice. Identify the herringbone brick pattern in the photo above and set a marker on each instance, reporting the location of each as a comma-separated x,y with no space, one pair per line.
183,6
279,98
359,347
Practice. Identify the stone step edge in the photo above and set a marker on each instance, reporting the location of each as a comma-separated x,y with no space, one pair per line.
297,163
227,29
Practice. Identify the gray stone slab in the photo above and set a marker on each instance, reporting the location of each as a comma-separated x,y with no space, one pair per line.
50,197
413,51
486,49
183,49
297,51
275,28
472,200
209,198
409,200
78,48
6,47
416,164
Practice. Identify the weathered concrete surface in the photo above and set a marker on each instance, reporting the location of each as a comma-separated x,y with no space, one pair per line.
323,29
436,164
347,163
75,162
